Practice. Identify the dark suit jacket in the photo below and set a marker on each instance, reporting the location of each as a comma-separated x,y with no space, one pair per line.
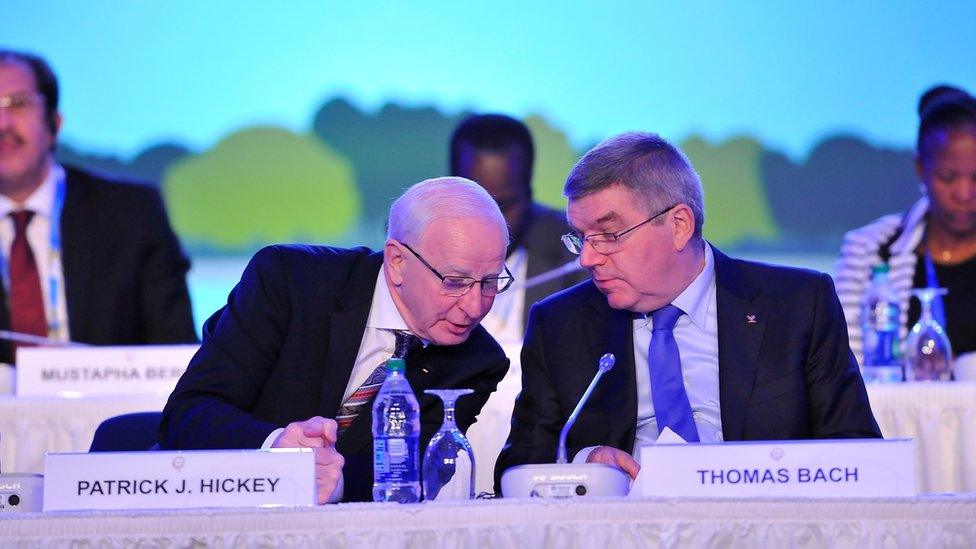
541,240
283,348
124,270
790,375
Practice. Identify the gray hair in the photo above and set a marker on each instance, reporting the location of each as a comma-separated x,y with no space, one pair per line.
646,164
441,198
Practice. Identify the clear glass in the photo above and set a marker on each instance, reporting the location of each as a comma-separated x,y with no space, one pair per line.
449,460
928,354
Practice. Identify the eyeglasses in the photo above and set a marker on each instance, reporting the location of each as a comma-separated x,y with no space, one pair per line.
605,243
456,286
20,102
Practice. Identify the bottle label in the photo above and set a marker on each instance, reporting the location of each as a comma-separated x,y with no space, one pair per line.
395,459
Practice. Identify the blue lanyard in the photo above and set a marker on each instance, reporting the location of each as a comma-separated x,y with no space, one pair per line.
938,308
54,263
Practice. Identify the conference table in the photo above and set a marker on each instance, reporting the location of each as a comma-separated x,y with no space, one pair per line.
941,417
924,521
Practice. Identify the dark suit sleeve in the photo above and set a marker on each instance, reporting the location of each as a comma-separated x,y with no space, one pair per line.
210,407
165,300
537,417
839,405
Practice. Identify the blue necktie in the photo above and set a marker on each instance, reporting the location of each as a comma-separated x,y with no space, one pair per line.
671,406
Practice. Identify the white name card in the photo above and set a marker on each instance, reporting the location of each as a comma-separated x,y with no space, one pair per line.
176,480
101,371
821,468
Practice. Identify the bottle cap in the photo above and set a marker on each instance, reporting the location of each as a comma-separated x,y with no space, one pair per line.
880,268
396,365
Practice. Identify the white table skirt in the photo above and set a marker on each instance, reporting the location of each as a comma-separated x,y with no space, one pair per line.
31,426
941,417
913,522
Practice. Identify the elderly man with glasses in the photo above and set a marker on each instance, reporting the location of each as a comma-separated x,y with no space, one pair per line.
708,347
307,330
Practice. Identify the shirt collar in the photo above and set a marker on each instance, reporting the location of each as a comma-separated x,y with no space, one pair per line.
41,201
383,314
696,298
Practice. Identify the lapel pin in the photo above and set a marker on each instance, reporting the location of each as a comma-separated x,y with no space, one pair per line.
751,319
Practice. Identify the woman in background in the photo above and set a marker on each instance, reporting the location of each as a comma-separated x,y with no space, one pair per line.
939,229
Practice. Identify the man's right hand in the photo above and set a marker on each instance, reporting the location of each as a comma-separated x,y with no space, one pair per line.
615,457
320,434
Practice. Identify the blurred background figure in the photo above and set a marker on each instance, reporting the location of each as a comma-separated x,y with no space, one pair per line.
934,242
497,152
84,259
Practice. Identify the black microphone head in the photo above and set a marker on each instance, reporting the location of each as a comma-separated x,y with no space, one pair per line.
607,361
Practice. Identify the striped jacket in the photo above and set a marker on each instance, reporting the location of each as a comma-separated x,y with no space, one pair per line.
863,248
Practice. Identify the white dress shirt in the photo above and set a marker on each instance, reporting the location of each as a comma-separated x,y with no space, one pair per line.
696,333
48,260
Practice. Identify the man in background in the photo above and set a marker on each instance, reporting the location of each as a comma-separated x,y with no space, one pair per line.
84,259
496,151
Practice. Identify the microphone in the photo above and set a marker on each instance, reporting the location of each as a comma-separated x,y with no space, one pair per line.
562,270
606,364
562,479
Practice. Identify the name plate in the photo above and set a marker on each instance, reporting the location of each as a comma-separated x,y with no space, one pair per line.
175,480
810,469
101,371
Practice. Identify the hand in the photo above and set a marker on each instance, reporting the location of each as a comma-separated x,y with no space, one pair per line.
615,457
320,434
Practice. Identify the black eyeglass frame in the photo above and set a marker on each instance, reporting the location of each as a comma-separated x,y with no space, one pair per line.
501,282
574,243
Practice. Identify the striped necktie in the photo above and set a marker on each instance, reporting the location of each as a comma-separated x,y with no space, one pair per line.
358,400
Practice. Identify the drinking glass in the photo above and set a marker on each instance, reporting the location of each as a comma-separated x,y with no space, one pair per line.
449,461
928,354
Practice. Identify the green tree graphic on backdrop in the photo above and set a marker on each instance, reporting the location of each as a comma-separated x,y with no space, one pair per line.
736,208
392,149
262,185
554,157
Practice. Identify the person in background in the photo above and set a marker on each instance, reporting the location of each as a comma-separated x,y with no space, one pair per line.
709,347
497,152
84,259
939,230
296,356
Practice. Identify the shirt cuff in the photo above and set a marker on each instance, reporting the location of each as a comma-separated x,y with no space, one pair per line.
336,496
584,454
340,486
272,438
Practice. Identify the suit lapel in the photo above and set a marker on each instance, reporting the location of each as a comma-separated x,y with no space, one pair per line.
78,243
612,332
347,323
741,324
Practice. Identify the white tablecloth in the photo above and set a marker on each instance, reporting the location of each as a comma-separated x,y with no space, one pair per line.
618,523
941,417
31,426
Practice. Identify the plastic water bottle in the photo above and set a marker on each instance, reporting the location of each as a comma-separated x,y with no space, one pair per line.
396,438
879,328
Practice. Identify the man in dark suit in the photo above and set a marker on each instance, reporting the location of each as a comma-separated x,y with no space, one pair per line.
497,152
86,259
708,347
307,324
